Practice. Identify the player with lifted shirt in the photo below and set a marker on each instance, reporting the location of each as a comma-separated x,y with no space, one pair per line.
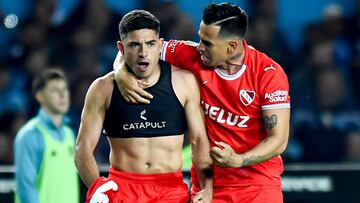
245,96
145,140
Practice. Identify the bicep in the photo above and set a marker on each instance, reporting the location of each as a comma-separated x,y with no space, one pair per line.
193,110
92,118
276,122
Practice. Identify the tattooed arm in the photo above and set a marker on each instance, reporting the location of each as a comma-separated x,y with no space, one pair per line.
276,123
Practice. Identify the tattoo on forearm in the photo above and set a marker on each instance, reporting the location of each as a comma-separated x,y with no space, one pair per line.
270,121
258,159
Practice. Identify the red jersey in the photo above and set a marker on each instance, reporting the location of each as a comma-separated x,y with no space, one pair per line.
233,107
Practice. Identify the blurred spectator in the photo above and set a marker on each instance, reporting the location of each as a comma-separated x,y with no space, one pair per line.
334,30
175,24
13,99
352,147
6,155
323,127
264,34
318,58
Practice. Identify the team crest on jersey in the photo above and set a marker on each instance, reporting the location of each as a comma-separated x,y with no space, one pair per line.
247,97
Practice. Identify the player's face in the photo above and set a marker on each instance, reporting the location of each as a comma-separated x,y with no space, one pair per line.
55,97
213,50
141,49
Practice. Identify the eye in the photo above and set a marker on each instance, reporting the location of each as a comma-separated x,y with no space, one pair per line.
206,43
150,44
133,45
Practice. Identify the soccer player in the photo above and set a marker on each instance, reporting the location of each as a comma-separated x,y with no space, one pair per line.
146,140
245,96
44,146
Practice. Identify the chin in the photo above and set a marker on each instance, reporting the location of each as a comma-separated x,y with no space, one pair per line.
205,62
208,63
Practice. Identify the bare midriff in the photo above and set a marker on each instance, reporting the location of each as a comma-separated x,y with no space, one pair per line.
147,155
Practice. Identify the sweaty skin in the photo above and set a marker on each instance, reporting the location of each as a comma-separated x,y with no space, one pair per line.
139,155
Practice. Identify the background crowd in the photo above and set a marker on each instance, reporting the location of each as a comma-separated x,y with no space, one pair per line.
316,42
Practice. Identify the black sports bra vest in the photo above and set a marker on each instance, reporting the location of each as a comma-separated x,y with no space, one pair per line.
164,116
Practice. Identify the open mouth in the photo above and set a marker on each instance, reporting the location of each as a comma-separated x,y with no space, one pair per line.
142,66
205,59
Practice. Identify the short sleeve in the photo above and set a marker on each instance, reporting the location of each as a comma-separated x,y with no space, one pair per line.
182,54
274,87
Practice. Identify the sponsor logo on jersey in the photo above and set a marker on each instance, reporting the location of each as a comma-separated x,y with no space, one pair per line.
144,125
247,97
269,68
225,117
142,115
172,45
277,96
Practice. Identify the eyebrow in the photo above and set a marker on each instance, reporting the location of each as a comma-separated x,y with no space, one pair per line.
151,41
136,42
206,42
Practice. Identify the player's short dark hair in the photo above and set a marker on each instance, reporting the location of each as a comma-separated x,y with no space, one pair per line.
137,20
233,20
45,76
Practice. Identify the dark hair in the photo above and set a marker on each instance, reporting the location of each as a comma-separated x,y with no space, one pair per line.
137,20
231,18
45,76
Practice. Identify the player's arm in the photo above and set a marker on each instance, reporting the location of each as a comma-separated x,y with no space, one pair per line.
276,122
179,53
198,138
29,153
92,119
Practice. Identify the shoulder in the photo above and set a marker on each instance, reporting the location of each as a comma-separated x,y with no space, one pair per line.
27,134
104,82
183,77
102,86
185,83
263,65
262,60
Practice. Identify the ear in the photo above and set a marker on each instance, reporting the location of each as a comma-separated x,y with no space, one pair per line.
232,46
161,42
120,46
39,97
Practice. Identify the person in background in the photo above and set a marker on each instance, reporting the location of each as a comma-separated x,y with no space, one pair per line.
44,146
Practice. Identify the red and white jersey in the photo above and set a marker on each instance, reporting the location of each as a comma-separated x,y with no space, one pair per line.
233,106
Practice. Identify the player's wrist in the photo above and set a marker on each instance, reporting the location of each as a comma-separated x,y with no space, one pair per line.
241,160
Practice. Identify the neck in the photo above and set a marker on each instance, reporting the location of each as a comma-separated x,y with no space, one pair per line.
233,65
57,119
152,79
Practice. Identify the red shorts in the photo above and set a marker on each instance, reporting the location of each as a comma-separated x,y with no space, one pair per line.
149,188
245,194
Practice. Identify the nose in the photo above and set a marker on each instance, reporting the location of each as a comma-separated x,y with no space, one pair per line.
143,51
63,93
201,47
